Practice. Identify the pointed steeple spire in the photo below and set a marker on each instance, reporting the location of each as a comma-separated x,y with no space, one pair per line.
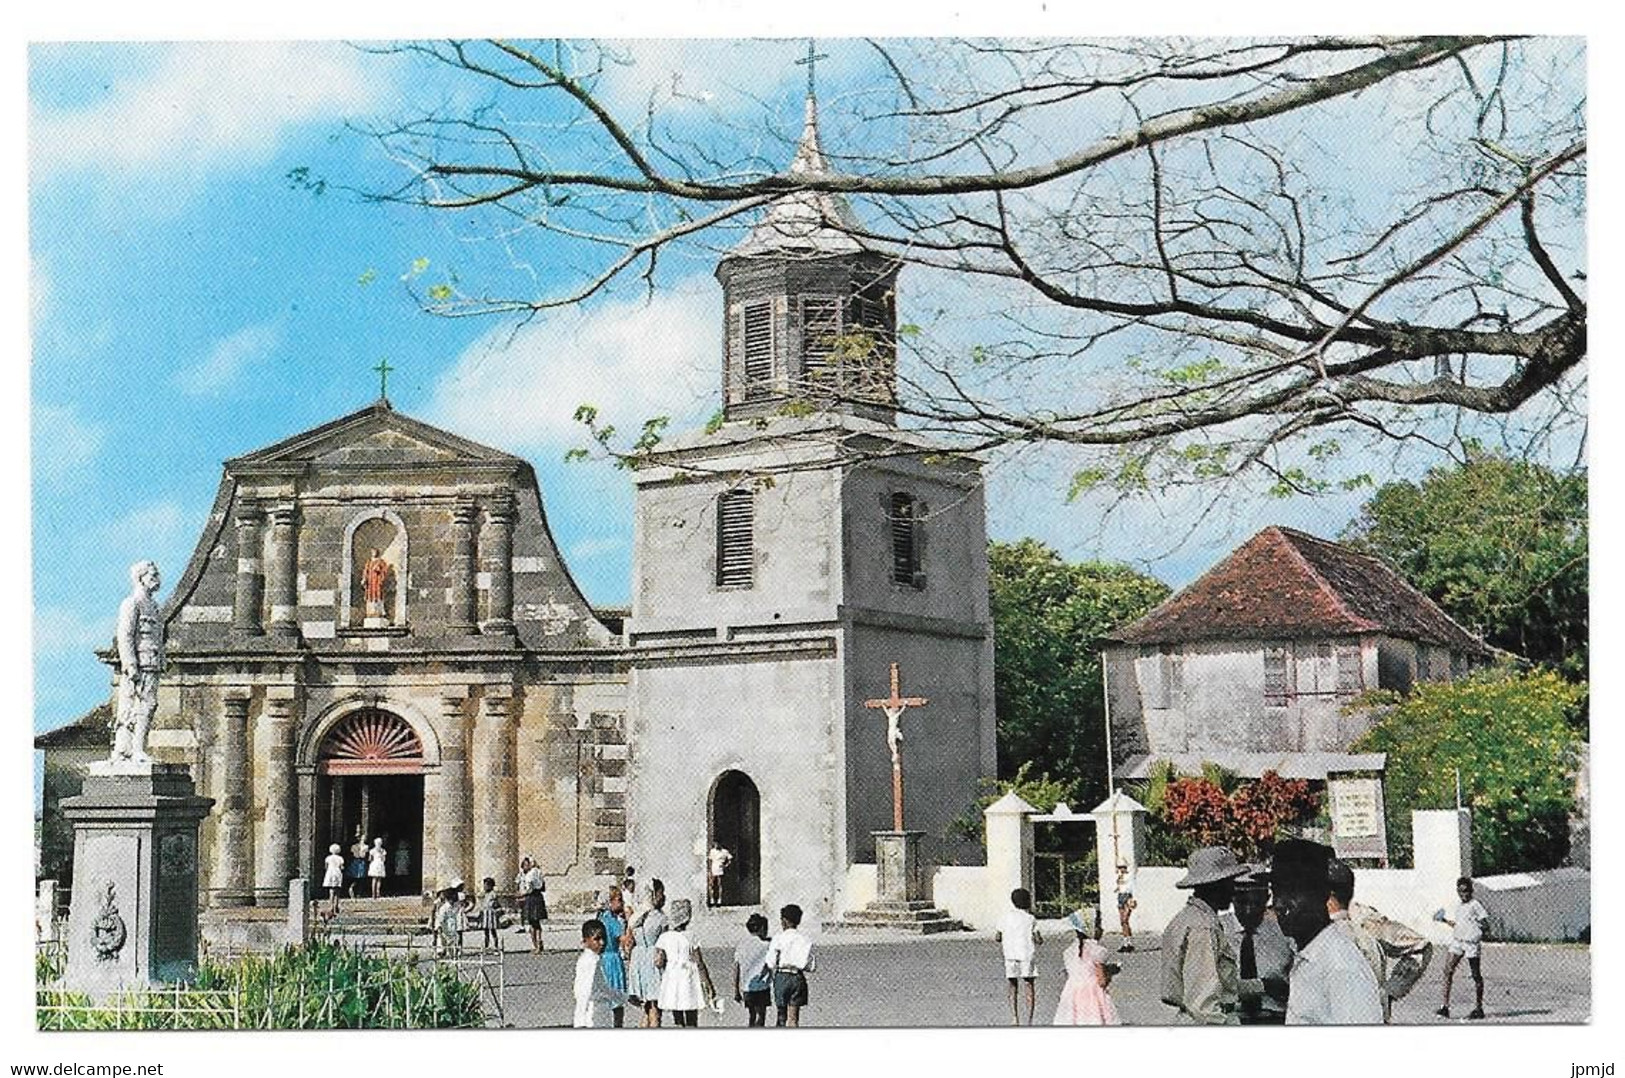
806,222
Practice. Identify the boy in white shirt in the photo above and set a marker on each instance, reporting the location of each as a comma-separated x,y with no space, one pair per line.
1018,933
790,957
1465,942
595,1000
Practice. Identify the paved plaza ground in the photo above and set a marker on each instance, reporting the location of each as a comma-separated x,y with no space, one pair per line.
886,979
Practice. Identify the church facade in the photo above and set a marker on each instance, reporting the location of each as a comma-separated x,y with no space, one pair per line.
378,637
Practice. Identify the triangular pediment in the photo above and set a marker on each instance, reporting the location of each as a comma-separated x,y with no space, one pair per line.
375,435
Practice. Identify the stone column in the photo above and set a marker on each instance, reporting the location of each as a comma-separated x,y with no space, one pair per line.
454,832
1009,847
496,546
235,833
245,611
283,577
281,810
464,611
496,807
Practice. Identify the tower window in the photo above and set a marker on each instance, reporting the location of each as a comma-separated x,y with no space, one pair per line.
820,328
905,541
736,542
758,350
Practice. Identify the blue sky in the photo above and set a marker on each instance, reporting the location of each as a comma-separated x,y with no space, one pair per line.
189,303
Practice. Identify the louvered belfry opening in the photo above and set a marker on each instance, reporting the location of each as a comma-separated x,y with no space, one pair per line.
820,329
758,350
736,541
372,742
905,547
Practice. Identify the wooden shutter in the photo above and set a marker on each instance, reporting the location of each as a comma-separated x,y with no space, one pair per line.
905,546
820,326
758,350
1350,670
1277,686
736,545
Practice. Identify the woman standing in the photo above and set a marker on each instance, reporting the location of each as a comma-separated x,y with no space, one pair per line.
333,878
616,944
377,866
643,979
358,862
685,983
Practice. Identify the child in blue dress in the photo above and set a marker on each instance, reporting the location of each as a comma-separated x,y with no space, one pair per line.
616,943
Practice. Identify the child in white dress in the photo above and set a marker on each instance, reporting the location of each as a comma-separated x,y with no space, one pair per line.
333,878
685,983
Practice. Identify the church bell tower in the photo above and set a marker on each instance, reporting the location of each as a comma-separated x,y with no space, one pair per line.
783,561
811,309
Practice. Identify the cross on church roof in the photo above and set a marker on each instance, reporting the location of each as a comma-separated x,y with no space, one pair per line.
810,62
383,370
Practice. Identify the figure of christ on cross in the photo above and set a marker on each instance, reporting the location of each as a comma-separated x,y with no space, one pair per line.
894,708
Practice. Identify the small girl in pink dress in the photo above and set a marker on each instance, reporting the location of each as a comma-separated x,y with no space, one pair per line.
1084,1000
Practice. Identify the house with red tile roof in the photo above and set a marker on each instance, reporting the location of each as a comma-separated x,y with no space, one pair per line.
1252,665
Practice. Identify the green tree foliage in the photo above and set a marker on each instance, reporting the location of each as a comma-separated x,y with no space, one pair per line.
1049,617
1510,736
1501,545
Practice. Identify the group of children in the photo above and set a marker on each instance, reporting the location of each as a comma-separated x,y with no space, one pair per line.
764,970
1085,1000
455,912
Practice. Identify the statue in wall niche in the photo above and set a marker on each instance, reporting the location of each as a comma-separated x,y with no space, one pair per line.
374,579
140,660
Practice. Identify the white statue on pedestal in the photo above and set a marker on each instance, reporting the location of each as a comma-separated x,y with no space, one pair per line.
140,660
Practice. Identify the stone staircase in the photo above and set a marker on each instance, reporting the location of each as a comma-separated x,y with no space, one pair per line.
407,915
898,915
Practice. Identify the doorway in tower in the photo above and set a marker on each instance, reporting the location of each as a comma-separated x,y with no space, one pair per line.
369,785
736,826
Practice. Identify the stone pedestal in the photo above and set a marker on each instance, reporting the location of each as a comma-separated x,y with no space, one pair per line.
901,900
135,883
898,877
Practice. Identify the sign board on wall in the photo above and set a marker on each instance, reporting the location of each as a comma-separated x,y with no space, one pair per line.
1359,828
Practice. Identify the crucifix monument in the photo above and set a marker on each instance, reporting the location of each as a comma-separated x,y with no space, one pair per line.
893,707
898,872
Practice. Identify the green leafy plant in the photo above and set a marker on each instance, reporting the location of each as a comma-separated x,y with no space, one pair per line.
1510,736
319,986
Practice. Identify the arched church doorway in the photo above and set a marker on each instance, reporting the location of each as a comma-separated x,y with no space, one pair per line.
369,784
736,826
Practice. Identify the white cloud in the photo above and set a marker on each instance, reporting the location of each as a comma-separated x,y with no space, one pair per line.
632,359
587,549
201,108
153,527
227,358
63,629
64,442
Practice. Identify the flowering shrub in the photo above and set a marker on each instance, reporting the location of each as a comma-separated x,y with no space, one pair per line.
1246,820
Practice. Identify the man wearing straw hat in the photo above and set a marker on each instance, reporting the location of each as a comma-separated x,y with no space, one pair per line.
1198,966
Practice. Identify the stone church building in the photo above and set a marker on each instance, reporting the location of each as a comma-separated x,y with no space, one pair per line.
377,633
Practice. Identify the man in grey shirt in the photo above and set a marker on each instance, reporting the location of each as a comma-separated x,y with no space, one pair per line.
1198,964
